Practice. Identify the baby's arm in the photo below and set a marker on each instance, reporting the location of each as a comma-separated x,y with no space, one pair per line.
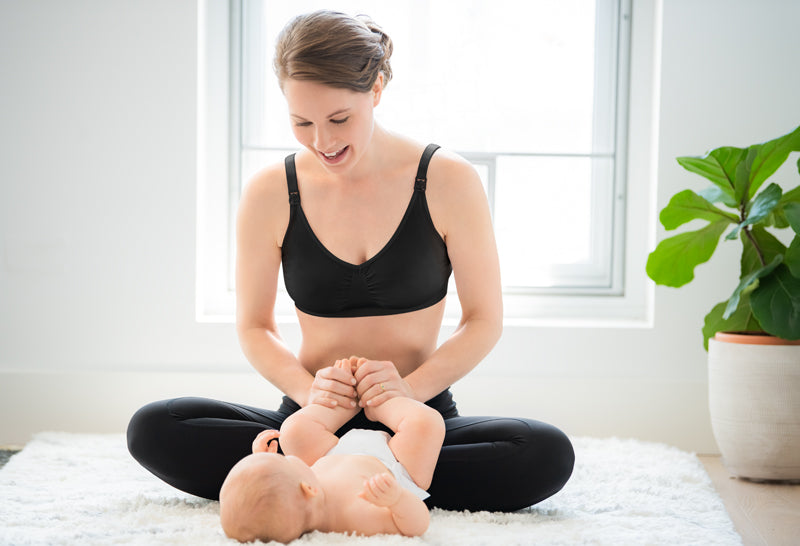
409,513
418,435
309,433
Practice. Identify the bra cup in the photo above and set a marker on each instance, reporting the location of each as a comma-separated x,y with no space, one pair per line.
409,273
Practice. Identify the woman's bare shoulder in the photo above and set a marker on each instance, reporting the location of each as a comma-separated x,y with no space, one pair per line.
264,203
266,184
454,186
449,171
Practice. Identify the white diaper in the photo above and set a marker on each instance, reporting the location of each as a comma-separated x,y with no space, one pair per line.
360,441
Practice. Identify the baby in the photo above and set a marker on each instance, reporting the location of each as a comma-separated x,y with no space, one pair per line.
366,482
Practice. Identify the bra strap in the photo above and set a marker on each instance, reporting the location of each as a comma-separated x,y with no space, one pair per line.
291,180
422,172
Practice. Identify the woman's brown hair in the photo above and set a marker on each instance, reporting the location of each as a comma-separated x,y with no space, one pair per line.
334,49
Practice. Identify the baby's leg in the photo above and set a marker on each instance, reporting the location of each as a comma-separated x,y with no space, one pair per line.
309,432
418,435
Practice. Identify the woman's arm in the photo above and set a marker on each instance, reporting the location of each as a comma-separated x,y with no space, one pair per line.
260,226
459,206
460,211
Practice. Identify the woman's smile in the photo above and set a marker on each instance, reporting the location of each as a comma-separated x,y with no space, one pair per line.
336,157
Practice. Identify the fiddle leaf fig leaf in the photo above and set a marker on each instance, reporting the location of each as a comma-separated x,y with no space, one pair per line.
745,283
713,194
776,303
777,218
791,211
741,181
763,204
760,208
687,206
792,257
793,195
770,156
673,261
741,320
718,165
769,245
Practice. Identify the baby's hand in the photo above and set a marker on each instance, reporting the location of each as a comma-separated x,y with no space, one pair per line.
264,442
381,490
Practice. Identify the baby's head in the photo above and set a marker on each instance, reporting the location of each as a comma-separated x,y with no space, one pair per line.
265,496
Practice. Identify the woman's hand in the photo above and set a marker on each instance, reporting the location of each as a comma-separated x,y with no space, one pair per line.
334,386
377,381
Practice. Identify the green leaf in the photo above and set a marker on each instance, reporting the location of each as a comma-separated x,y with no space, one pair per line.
760,208
769,245
763,204
745,283
741,181
776,303
792,257
713,194
777,218
718,165
741,321
770,156
673,261
687,206
792,212
793,195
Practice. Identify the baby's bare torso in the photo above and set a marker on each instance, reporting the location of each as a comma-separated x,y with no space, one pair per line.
342,477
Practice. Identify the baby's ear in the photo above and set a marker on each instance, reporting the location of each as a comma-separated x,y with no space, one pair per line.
308,490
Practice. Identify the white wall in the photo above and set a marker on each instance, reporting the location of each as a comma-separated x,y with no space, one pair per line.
97,226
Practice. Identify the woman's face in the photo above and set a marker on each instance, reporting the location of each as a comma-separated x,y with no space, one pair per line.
335,124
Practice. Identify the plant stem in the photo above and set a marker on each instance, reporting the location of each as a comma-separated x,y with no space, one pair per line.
755,245
743,216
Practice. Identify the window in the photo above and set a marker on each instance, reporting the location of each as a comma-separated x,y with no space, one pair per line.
536,98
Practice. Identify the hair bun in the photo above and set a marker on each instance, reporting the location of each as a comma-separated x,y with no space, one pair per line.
385,42
334,49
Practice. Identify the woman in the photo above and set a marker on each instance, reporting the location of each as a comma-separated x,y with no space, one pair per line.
368,226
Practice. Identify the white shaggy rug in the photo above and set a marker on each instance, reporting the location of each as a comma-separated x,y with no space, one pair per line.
85,489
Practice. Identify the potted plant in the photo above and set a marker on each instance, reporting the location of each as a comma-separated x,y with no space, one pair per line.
754,355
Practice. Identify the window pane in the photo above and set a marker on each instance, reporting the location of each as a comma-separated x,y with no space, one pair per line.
551,220
522,79
526,90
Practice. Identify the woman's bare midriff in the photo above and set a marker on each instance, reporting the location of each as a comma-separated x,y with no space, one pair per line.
407,339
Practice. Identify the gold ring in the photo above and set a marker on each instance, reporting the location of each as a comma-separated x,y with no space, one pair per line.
382,387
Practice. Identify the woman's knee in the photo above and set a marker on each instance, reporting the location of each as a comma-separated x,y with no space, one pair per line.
145,428
550,457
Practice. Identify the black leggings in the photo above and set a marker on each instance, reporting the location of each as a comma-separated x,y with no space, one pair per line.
486,463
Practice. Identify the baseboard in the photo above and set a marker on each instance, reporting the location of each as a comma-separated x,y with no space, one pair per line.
102,402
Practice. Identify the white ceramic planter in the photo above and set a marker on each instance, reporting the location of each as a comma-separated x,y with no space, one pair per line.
754,399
